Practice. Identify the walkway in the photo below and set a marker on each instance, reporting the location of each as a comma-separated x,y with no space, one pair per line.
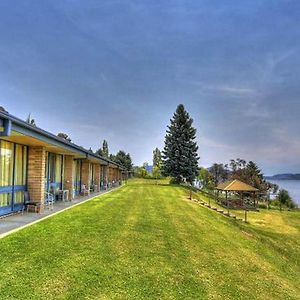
220,211
16,222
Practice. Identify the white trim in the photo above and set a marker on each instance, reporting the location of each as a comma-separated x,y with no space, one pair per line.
53,214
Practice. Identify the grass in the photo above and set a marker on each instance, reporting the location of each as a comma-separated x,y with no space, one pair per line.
147,241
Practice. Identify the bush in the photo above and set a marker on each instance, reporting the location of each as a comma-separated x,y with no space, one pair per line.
285,199
262,205
174,181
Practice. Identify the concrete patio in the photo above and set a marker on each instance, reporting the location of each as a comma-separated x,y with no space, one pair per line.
15,222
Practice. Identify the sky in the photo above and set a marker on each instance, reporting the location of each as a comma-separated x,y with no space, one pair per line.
117,70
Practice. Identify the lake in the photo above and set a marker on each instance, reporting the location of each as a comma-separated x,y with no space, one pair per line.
292,186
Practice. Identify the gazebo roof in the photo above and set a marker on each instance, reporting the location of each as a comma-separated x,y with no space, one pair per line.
236,186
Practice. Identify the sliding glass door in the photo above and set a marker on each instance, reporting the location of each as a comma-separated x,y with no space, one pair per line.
13,172
54,173
77,176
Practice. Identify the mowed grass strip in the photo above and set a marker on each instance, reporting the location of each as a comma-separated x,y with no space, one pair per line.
147,241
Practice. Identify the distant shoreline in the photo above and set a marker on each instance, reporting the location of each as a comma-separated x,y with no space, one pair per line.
285,176
272,178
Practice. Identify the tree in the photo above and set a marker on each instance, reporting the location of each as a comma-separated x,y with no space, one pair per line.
219,173
250,174
156,173
253,176
283,198
206,179
104,150
180,157
30,120
157,159
64,136
3,109
140,172
123,159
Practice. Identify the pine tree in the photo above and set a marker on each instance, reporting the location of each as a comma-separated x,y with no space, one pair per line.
30,120
122,159
64,136
180,151
104,150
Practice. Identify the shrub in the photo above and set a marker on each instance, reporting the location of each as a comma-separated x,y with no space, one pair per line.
174,181
262,205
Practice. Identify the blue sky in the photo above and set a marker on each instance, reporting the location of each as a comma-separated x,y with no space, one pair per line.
116,70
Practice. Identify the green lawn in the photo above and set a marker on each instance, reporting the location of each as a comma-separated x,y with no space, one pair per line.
148,241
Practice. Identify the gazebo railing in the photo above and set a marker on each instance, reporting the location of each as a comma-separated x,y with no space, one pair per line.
237,203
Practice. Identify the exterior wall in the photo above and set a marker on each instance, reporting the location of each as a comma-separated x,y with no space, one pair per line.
110,174
85,175
105,176
36,173
68,174
97,175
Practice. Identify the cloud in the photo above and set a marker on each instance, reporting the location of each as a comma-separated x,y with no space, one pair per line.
115,70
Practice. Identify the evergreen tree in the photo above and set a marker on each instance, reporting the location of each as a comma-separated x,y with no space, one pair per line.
104,150
3,109
64,136
123,159
157,160
30,120
180,151
219,173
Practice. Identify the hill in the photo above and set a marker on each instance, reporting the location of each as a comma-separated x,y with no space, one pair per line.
148,241
286,176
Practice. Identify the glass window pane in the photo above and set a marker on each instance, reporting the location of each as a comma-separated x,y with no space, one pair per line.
58,168
6,163
19,172
19,197
5,199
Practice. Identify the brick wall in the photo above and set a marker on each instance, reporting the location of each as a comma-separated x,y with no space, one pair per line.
68,174
36,173
85,175
97,175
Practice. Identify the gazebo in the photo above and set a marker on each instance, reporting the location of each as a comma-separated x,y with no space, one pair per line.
237,194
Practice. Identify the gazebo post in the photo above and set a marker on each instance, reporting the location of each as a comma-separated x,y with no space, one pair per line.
226,192
239,187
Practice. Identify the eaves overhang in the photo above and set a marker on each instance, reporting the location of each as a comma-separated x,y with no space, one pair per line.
9,123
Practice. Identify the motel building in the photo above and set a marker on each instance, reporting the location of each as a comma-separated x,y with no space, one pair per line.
38,168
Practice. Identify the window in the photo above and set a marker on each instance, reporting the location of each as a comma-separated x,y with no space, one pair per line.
13,172
6,161
53,172
77,176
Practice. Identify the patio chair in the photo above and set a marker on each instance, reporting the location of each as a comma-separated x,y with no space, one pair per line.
29,203
96,189
84,190
49,200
